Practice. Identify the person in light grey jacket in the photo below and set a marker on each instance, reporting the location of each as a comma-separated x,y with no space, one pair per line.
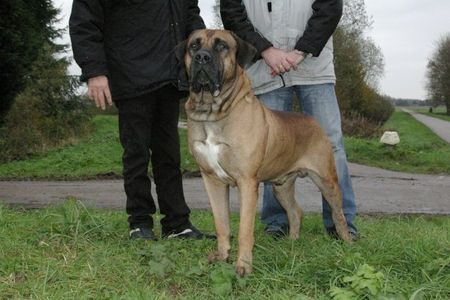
294,46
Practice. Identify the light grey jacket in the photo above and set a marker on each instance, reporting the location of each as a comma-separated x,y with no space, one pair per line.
283,27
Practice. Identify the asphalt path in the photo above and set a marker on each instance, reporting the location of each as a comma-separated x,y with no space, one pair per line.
377,192
438,126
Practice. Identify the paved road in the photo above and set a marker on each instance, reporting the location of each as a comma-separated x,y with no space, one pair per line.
377,191
438,126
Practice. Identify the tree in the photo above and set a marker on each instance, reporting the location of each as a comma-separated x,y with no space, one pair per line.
47,113
39,106
24,27
359,66
438,74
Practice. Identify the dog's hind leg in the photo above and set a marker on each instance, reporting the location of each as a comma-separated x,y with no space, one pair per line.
285,195
329,187
218,193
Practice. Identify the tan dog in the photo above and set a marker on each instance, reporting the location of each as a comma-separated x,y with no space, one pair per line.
237,141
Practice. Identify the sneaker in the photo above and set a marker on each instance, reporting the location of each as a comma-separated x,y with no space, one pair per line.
187,233
333,233
277,231
142,233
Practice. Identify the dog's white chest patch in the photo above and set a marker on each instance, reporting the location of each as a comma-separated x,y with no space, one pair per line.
209,152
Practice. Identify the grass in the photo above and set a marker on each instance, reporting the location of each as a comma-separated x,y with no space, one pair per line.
100,155
68,251
420,151
439,112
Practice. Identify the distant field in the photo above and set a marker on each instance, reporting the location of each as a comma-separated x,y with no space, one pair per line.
439,112
99,155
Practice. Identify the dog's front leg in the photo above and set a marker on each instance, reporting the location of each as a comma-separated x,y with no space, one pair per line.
248,197
218,193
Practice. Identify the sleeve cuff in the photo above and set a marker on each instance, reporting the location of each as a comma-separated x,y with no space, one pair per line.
301,46
261,46
91,72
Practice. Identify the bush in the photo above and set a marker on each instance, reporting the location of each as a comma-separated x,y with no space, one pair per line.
356,125
365,101
47,114
375,107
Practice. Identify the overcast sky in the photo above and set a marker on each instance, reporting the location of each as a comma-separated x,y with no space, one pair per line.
405,30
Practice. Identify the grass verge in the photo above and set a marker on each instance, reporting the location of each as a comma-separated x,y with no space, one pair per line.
68,251
420,151
100,155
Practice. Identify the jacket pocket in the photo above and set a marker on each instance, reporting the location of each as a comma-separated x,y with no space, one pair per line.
259,74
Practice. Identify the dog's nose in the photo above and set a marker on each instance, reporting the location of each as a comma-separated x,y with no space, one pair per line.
202,57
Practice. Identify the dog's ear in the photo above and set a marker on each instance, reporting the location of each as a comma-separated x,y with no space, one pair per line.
245,52
180,51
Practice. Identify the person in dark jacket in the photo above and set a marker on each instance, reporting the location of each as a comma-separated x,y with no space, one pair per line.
295,56
125,49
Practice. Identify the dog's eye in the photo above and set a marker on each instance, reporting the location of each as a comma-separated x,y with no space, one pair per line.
221,47
194,46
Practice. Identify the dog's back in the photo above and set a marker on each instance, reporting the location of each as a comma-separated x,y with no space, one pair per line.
295,142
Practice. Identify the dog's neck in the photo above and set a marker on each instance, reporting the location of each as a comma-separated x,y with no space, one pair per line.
205,107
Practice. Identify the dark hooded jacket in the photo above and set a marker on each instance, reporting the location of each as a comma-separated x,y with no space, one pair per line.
132,42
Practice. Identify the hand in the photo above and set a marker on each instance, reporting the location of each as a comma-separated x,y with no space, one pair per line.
98,91
276,59
294,58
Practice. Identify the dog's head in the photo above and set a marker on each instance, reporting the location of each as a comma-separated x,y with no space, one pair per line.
212,57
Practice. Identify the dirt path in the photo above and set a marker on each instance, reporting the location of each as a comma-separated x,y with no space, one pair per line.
377,191
438,126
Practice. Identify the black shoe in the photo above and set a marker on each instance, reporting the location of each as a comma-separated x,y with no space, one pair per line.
142,233
333,233
277,231
187,233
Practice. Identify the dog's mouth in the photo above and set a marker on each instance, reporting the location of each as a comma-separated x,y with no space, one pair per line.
204,81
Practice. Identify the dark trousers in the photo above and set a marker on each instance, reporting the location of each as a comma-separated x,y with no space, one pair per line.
148,127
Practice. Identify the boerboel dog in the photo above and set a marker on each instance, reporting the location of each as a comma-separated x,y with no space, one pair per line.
237,141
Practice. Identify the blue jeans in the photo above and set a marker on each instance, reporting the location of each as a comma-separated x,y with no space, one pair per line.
320,102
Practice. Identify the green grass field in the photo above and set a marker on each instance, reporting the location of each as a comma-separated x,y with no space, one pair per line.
68,251
439,112
100,155
420,151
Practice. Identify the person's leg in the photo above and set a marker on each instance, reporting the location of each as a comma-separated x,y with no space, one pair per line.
320,102
272,214
165,147
135,130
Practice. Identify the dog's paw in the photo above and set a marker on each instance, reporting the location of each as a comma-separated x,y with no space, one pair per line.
218,256
294,235
243,269
347,237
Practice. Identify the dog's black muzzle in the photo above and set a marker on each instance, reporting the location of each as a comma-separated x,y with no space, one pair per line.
206,72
